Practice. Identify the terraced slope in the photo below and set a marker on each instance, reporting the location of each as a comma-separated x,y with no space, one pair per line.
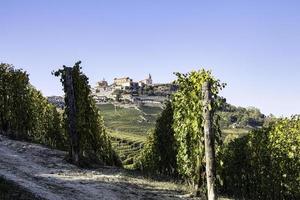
131,120
128,128
127,146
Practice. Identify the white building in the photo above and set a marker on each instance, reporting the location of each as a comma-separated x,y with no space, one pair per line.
123,82
147,81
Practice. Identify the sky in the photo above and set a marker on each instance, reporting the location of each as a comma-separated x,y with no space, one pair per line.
253,46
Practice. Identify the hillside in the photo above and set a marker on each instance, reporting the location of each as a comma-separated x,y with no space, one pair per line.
132,120
128,127
138,120
45,174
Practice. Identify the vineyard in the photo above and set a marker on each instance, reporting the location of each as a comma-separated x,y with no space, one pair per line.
136,121
196,139
150,100
129,132
128,128
127,146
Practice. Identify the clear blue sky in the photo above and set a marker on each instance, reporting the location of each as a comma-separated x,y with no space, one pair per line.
253,46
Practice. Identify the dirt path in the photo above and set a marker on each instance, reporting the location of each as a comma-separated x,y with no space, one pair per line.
43,172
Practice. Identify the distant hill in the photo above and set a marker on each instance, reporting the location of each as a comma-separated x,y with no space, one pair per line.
240,117
139,120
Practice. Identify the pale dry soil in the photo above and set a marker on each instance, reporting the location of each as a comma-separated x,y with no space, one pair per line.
44,173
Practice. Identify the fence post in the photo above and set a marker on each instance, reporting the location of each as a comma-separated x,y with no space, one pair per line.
209,141
71,112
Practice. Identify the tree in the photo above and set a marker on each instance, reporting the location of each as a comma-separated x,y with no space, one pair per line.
160,150
92,144
188,124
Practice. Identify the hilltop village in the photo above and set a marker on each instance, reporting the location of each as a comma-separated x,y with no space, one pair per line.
125,90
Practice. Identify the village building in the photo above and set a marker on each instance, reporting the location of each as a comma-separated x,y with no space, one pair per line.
102,84
123,82
147,81
124,89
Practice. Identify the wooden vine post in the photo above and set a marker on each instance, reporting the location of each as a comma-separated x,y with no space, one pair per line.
71,112
209,141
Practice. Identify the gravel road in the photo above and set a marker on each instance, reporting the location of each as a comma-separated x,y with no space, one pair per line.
45,173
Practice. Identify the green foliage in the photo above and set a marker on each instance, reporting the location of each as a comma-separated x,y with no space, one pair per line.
14,100
176,146
239,117
127,148
56,135
95,144
45,121
265,164
188,127
160,150
24,112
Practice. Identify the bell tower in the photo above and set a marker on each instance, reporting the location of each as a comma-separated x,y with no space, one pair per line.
150,80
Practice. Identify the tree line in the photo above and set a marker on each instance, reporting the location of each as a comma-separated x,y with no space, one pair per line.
24,112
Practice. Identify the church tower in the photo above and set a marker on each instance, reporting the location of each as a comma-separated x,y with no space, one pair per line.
150,82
